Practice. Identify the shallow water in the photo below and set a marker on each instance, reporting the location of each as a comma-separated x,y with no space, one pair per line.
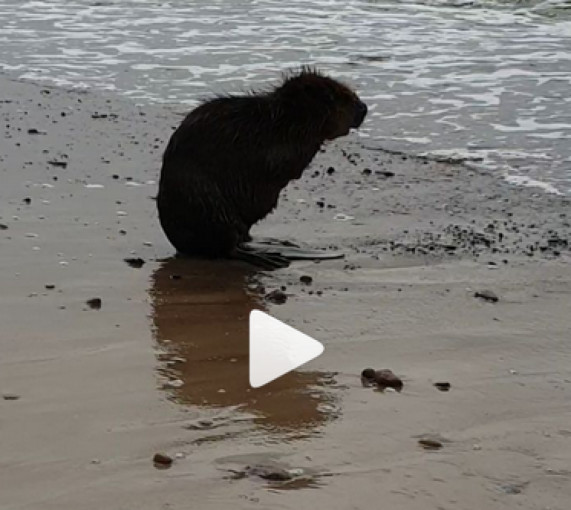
485,81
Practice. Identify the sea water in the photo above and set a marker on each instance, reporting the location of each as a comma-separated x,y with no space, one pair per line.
486,82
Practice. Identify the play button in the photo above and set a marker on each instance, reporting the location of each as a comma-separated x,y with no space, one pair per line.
276,348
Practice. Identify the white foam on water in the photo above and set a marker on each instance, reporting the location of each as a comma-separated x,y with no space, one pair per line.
522,180
482,76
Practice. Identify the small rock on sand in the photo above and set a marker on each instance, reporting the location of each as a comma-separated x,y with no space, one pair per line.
487,295
162,461
306,279
135,262
61,164
384,378
442,386
94,303
430,444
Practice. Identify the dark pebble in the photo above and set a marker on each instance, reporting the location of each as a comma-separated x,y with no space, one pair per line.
384,173
330,170
94,303
61,164
10,396
161,460
306,279
430,444
487,295
49,286
278,297
3,227
176,277
443,386
135,262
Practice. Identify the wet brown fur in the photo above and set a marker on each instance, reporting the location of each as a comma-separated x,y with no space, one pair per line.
225,165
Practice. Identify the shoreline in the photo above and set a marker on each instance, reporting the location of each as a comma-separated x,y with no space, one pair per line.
445,156
101,391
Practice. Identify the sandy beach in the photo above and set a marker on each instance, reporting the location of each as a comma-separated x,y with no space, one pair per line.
90,394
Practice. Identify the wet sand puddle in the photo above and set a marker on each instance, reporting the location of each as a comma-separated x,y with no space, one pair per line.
200,313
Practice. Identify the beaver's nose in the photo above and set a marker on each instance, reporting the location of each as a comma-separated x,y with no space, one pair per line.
360,113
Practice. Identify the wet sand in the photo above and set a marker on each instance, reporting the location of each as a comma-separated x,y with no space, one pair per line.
162,365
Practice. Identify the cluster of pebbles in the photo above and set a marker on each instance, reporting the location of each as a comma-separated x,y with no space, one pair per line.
403,205
498,237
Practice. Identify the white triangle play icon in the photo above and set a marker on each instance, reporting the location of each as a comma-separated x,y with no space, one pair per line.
276,348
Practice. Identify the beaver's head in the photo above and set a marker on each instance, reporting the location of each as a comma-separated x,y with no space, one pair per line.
332,106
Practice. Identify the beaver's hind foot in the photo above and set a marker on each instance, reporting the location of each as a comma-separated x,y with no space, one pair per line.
268,261
288,250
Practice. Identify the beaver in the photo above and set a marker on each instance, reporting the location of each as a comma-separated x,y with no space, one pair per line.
225,165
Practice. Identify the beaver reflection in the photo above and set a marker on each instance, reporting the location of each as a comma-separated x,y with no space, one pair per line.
200,311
